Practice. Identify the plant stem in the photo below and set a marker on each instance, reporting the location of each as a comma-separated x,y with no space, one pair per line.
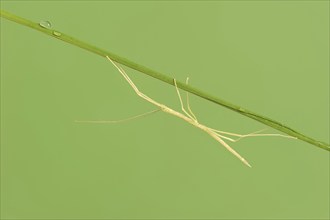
267,121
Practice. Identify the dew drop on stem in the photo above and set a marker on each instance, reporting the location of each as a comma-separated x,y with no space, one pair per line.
45,24
56,33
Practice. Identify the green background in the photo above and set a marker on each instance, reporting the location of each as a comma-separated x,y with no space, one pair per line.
269,57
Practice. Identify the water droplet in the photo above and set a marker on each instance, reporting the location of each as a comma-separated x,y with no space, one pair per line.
56,33
45,24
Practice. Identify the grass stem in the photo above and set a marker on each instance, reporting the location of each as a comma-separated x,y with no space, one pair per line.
160,76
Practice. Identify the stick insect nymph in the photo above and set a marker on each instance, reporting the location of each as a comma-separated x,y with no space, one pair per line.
189,117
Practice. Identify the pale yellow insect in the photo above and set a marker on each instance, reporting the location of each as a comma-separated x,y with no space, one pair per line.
188,117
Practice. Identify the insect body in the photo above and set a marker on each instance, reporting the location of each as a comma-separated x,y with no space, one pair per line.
188,116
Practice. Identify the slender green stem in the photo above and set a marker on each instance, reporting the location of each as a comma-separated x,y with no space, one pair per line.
64,37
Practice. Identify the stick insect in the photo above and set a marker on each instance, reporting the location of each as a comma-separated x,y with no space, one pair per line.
188,116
